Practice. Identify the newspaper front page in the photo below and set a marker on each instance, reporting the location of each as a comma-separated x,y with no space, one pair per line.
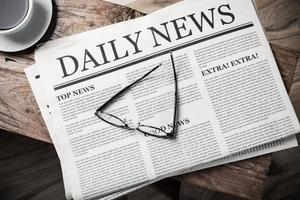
40,95
231,96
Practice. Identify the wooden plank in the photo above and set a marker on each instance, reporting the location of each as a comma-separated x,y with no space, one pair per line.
244,179
19,112
295,89
29,169
281,20
283,182
166,189
192,192
286,60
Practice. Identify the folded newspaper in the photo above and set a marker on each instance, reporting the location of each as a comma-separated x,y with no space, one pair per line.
232,101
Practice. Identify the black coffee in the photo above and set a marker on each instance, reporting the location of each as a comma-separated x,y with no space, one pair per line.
12,12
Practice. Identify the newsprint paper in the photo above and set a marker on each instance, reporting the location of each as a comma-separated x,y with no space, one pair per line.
232,102
34,79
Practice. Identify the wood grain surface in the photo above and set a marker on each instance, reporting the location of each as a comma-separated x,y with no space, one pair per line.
249,175
281,20
295,89
29,169
19,112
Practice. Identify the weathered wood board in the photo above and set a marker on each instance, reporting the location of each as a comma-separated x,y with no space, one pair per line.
281,21
19,112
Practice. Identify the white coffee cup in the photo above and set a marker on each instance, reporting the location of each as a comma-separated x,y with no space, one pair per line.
21,25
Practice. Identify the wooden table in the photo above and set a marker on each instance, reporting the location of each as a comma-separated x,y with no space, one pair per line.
19,112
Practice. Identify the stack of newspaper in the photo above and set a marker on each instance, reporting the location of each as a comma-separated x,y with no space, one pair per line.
232,101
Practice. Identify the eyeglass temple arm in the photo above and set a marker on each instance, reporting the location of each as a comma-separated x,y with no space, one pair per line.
126,88
176,98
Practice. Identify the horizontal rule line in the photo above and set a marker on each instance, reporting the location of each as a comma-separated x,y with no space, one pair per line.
153,55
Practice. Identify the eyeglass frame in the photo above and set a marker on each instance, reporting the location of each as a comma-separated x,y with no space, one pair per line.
110,100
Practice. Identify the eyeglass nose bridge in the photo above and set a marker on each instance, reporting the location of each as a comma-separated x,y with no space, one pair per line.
133,128
126,126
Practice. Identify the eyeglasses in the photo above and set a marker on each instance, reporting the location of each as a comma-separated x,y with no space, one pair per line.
147,130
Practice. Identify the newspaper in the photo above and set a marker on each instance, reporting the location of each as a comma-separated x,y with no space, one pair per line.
34,80
230,92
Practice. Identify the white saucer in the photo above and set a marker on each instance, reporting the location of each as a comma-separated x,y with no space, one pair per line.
34,30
